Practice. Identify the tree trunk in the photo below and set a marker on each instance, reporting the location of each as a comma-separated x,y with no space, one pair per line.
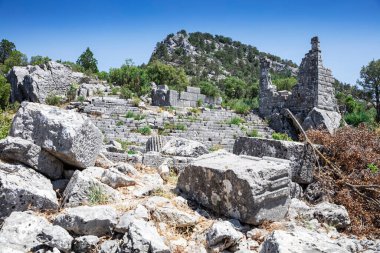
377,95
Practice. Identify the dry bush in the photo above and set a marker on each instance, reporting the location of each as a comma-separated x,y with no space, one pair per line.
354,180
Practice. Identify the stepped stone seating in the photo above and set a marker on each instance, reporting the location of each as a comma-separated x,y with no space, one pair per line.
210,127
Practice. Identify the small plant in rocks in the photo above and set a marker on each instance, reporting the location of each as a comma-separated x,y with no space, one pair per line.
97,196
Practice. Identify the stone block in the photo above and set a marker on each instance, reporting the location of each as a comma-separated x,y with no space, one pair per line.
250,189
188,96
195,90
301,156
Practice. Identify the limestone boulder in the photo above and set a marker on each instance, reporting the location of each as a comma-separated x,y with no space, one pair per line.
299,240
35,83
83,189
143,237
222,235
24,231
110,246
184,147
319,118
28,153
332,214
88,220
22,188
67,135
249,189
86,243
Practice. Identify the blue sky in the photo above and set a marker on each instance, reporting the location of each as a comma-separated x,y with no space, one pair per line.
115,30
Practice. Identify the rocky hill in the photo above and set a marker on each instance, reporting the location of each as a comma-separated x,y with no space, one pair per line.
214,57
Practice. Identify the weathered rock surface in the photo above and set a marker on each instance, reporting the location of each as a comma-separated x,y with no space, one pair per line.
184,147
222,235
301,155
85,243
115,178
110,246
67,135
88,220
147,184
143,237
26,152
22,188
80,188
246,188
299,240
56,237
24,231
162,210
319,118
35,83
334,215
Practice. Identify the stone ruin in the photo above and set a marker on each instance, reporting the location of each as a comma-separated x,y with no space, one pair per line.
312,99
163,96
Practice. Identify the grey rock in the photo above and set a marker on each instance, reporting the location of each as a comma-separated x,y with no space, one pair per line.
26,152
35,83
301,155
88,220
147,184
296,190
56,237
125,220
300,240
67,135
222,235
155,143
19,231
80,188
315,193
126,169
162,210
110,246
115,178
87,243
322,119
153,159
245,188
22,188
334,215
143,237
103,161
299,209
184,147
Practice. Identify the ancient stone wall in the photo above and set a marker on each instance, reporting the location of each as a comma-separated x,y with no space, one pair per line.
163,96
313,91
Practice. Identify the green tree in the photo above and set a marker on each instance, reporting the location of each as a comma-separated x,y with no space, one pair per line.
88,61
163,74
16,58
6,48
38,60
5,92
132,78
234,87
370,81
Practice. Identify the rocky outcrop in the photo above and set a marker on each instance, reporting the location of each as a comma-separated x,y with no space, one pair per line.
26,152
222,235
246,188
35,83
301,156
67,135
22,188
322,119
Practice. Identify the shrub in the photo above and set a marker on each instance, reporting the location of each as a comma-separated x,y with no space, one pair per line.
5,123
80,99
72,92
145,130
199,102
97,196
355,153
361,116
253,133
136,101
5,92
124,144
115,90
131,152
130,114
281,137
119,123
180,127
215,147
241,107
235,121
53,100
125,92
